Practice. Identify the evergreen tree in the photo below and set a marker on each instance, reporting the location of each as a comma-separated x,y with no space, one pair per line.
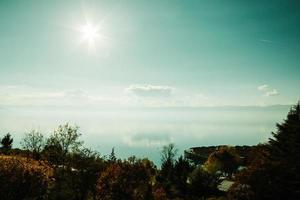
112,156
274,175
182,169
6,143
285,153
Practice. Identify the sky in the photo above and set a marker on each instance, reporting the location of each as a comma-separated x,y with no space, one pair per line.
164,53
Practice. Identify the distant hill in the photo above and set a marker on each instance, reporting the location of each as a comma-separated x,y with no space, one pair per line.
200,154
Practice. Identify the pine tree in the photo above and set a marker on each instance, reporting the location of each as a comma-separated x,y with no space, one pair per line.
274,174
285,144
112,156
6,143
285,153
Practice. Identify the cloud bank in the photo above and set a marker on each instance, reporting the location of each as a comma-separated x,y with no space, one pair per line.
150,90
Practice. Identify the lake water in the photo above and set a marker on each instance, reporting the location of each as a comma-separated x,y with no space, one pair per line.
143,132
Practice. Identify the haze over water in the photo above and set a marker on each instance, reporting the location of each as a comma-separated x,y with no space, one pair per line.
61,61
143,131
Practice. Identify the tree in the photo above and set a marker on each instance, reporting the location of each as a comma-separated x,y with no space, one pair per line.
274,174
67,137
79,180
126,180
88,165
240,191
285,154
182,169
285,144
34,142
167,173
60,147
168,153
62,142
112,156
202,183
225,159
53,153
6,143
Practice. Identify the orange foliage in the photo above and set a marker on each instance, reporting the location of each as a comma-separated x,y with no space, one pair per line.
126,180
22,178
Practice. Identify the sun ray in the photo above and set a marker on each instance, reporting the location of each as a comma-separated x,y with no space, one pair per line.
89,33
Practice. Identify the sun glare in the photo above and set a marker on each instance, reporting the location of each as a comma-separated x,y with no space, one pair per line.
89,33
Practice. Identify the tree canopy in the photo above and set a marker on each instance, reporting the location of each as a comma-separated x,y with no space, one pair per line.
274,173
6,142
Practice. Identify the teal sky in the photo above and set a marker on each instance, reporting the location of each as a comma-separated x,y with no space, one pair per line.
153,53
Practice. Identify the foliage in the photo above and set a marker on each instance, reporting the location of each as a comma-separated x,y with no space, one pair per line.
22,178
166,174
202,183
181,180
76,168
159,193
67,137
274,174
33,142
131,179
240,191
67,170
6,143
285,152
53,153
168,153
182,170
62,142
88,165
112,156
225,159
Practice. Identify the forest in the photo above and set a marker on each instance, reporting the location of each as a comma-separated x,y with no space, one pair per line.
61,167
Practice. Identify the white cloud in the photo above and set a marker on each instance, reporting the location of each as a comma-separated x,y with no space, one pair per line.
273,92
263,87
150,90
267,90
135,96
29,96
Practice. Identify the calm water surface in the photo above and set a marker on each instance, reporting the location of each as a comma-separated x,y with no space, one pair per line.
142,132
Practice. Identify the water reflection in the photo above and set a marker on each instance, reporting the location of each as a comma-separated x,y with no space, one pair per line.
142,132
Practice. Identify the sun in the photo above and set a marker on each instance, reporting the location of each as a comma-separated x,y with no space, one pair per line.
89,33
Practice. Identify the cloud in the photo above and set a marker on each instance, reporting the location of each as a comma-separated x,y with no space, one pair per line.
271,42
30,96
150,90
267,41
267,90
273,92
263,87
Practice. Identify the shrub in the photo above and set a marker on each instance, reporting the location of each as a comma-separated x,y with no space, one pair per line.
126,180
22,178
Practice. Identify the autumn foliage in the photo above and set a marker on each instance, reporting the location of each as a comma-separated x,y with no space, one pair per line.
22,178
127,180
60,167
